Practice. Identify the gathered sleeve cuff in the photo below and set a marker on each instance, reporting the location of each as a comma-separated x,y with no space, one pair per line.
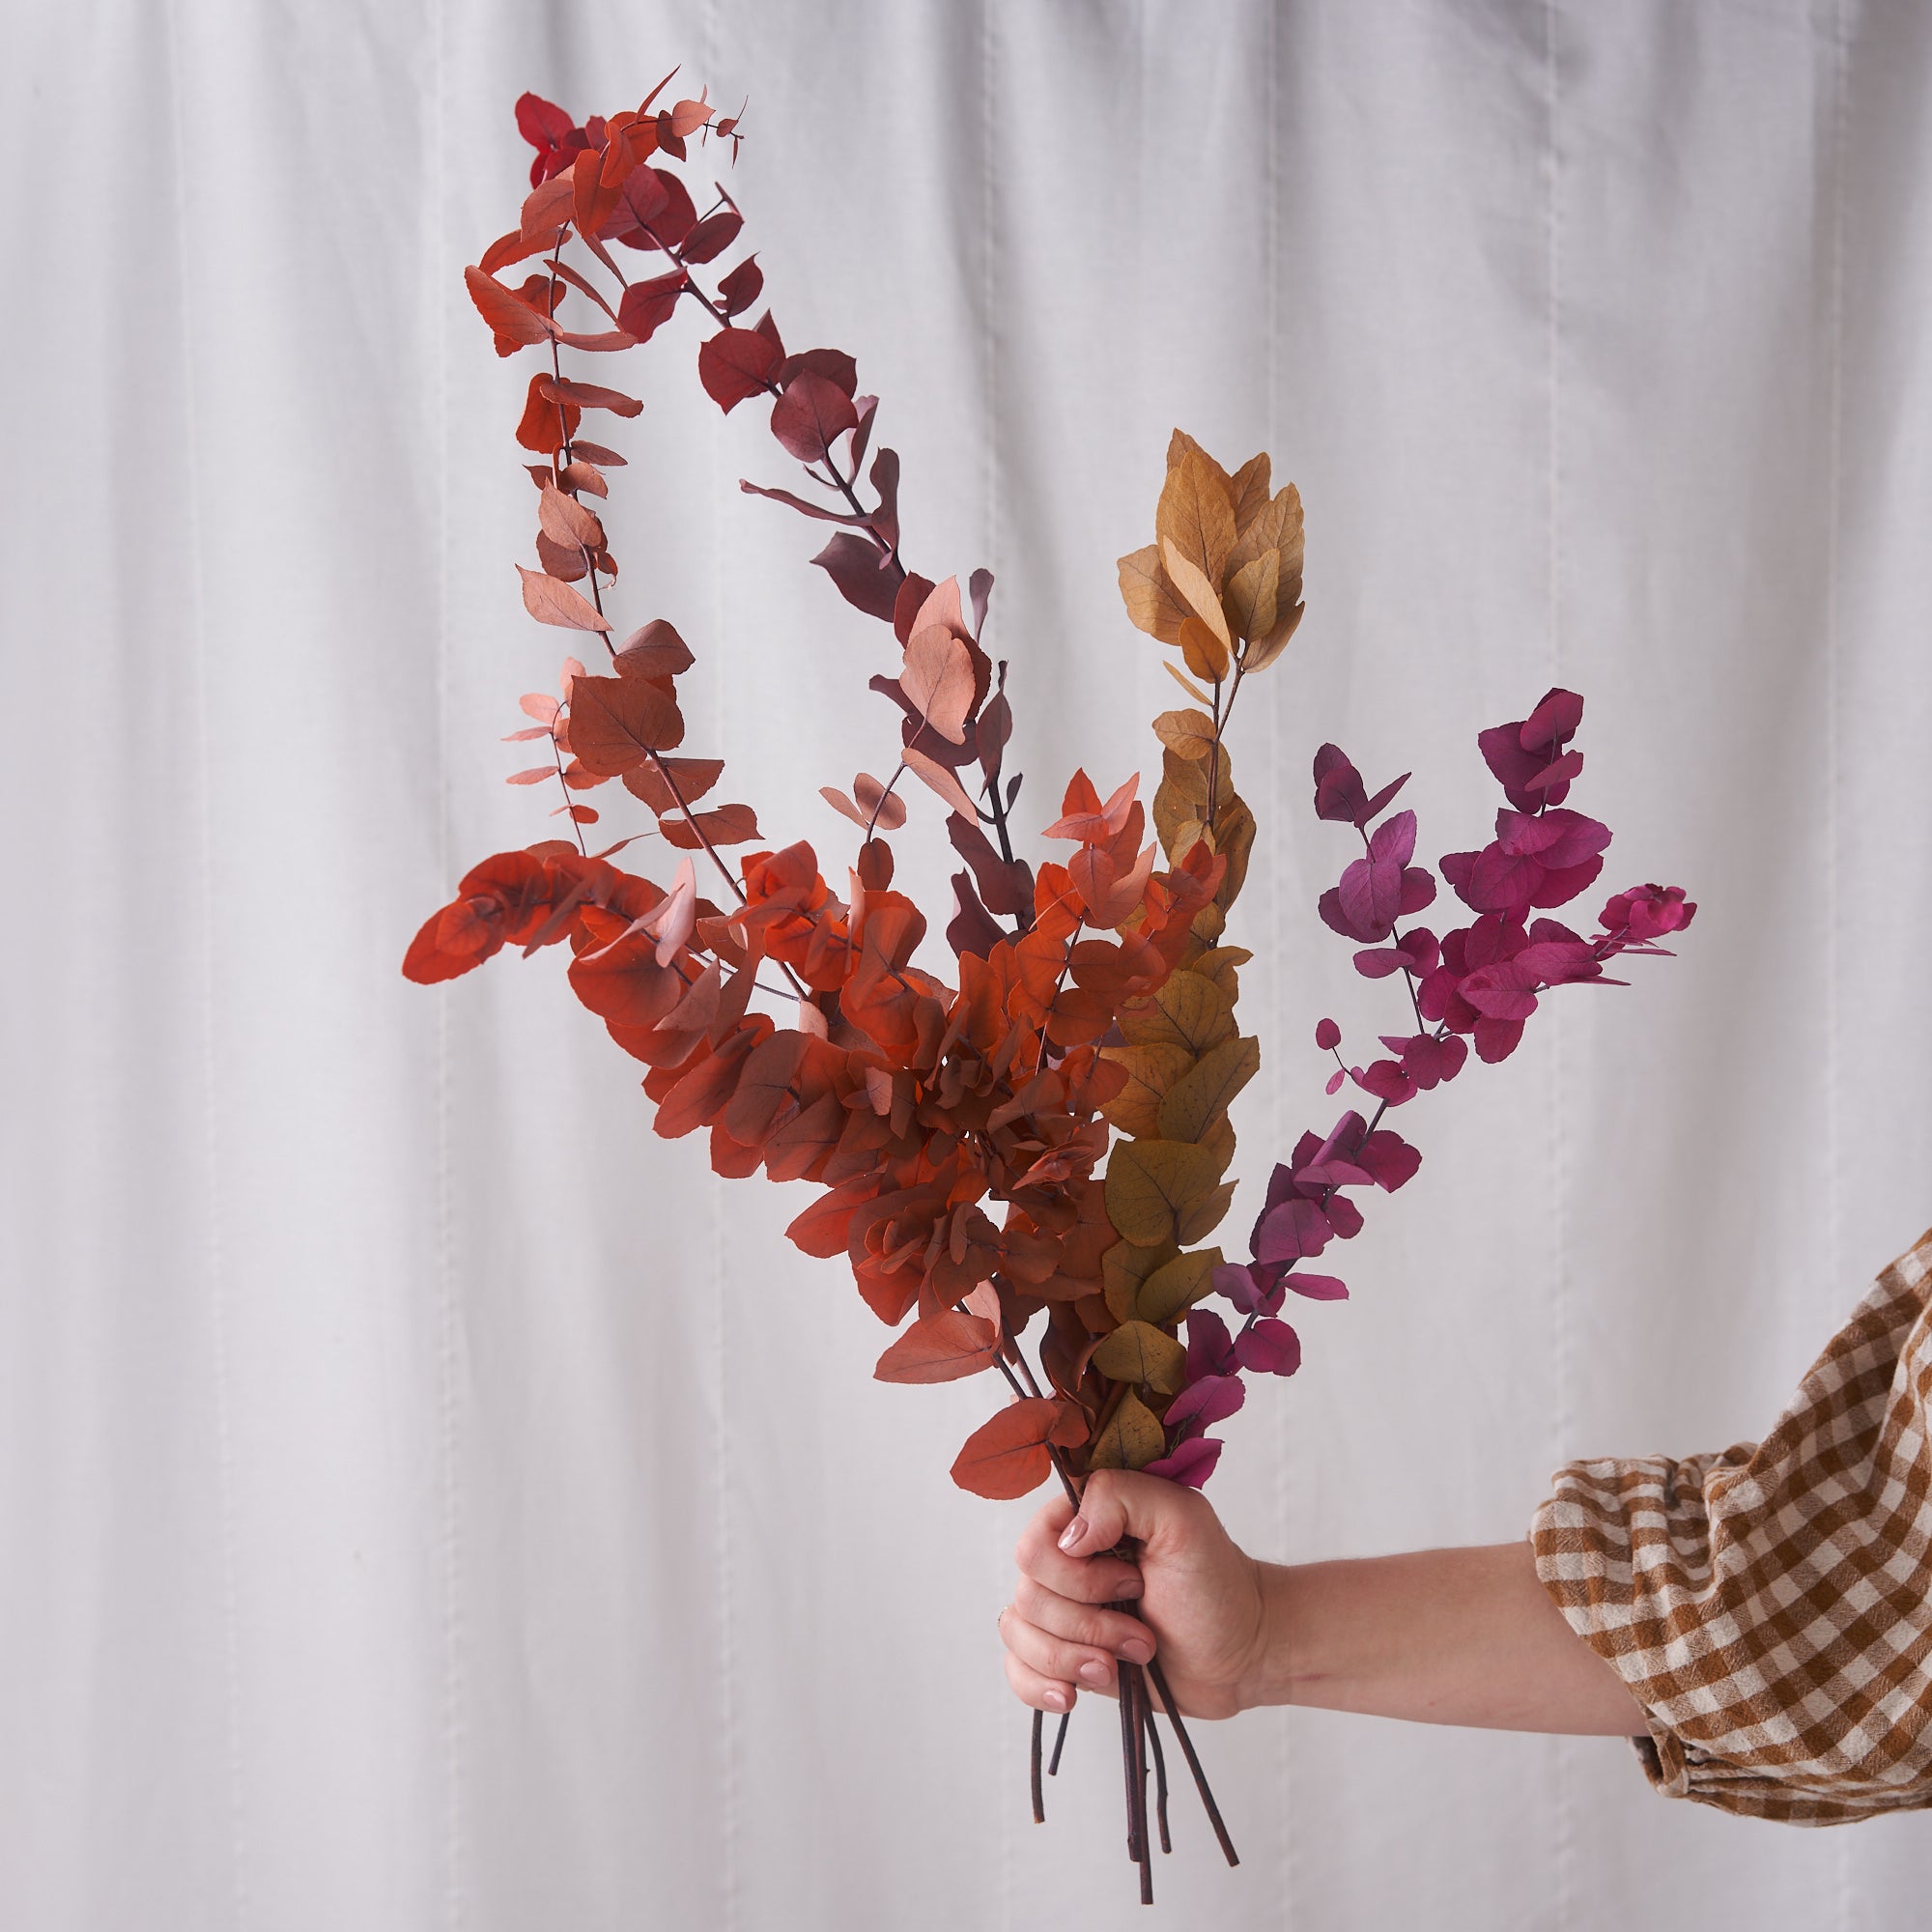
1770,1605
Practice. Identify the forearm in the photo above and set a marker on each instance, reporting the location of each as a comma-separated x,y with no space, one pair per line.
1442,1636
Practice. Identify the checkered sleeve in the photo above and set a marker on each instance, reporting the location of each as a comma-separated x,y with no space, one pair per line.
1770,1605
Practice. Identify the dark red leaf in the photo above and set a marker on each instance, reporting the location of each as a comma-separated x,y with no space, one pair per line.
712,236
740,288
653,650
907,604
1006,1456
624,982
648,305
862,573
653,210
834,365
736,363
971,930
727,825
941,1347
616,722
700,1095
511,319
810,415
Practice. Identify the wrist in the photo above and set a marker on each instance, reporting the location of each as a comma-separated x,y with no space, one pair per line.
1271,1670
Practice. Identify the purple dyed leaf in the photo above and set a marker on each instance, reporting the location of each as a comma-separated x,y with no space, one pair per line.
1496,1039
1503,992
1191,1464
1558,888
1394,843
1389,1158
1336,1174
1344,1216
1317,1287
1382,798
1338,786
1378,962
1559,962
1418,889
1565,768
1428,1061
1203,1404
1236,1282
1386,1080
1295,1230
1370,894
1270,1347
1210,1348
1553,723
1556,840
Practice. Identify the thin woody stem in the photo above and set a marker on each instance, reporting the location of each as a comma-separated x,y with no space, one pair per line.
1127,1756
1143,1843
1186,1743
563,422
1160,1777
873,821
1023,918
1221,713
771,388
1058,985
570,803
725,872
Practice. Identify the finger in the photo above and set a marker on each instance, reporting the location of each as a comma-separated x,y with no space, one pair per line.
1096,1579
1054,1656
1041,1693
1083,1623
1120,1502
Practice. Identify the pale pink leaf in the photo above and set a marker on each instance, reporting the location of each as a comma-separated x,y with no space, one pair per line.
549,601
941,781
938,680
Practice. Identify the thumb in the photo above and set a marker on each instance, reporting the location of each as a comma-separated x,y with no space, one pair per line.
1122,1502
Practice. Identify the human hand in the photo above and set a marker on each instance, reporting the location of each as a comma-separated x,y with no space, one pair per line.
1198,1598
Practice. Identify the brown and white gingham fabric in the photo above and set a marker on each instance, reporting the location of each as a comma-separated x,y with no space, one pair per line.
1770,1606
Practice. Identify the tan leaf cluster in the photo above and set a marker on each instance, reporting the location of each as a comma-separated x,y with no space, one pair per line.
1185,1060
1222,578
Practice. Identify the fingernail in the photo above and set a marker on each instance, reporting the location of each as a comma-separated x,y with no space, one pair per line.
1073,1535
1137,1649
1054,1700
1130,1586
1093,1671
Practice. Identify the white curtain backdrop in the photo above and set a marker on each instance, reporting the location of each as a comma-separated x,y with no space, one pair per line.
428,1500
